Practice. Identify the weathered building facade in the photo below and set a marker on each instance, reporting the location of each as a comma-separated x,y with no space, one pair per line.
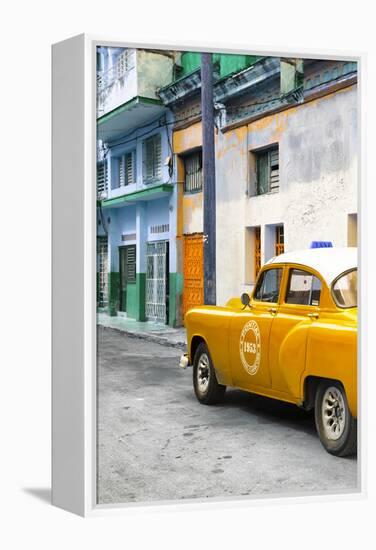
286,163
286,172
136,195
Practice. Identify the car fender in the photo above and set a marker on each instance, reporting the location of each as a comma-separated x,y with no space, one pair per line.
332,353
211,324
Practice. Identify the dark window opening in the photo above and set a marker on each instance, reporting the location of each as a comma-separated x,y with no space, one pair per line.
193,172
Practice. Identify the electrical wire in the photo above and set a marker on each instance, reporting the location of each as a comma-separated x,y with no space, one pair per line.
229,109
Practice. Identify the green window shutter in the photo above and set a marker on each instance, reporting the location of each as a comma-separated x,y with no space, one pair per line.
274,170
152,161
268,171
262,173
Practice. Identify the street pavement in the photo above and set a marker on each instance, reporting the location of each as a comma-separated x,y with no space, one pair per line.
156,442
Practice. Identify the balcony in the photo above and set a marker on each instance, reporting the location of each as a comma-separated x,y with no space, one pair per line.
126,90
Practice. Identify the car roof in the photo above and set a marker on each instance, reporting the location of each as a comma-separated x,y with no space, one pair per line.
329,262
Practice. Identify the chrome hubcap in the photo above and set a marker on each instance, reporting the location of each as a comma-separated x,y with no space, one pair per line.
333,413
203,373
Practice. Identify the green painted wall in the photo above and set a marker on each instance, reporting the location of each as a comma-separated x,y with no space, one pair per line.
141,292
136,298
228,63
234,63
113,292
132,302
176,292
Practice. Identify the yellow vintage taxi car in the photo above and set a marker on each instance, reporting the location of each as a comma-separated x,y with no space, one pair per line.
293,339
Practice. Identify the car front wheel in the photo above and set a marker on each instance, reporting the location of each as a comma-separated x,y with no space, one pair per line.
334,422
205,384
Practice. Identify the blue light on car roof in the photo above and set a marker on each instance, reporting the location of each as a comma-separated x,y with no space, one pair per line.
321,244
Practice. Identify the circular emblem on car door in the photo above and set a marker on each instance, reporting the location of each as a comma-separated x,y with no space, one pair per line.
250,347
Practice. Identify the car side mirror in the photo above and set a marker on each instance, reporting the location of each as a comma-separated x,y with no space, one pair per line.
245,299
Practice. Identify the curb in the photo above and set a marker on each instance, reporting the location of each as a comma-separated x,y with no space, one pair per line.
163,340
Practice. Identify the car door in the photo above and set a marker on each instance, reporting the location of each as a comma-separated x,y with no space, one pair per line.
250,330
298,308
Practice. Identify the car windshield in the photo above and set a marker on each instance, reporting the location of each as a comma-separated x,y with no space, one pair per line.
344,289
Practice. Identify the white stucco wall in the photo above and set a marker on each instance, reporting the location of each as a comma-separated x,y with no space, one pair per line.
317,186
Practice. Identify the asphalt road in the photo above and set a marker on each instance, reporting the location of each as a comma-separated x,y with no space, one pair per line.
156,442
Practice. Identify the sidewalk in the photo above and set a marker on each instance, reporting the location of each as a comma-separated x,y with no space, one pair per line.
153,332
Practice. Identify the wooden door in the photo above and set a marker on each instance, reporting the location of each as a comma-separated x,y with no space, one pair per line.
193,292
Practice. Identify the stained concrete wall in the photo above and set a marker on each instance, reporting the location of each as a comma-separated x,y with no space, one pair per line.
317,186
147,72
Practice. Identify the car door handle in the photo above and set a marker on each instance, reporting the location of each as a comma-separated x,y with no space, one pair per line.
313,315
272,310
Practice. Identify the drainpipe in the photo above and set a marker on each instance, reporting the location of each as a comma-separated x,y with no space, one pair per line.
208,161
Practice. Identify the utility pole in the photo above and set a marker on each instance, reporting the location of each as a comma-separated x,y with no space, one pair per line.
208,163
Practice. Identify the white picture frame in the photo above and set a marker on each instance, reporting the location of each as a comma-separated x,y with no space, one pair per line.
74,231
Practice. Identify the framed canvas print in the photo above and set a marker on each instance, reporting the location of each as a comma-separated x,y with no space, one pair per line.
205,275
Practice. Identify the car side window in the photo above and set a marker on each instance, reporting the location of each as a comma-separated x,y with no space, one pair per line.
303,288
268,285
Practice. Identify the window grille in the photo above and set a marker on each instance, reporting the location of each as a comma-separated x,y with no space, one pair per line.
156,281
152,164
123,64
127,172
102,254
163,228
193,172
279,240
257,250
101,179
267,163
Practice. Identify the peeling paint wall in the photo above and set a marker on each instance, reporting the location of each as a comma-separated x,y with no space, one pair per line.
191,205
153,71
317,185
147,72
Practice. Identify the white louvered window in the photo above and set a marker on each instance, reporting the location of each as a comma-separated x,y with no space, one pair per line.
101,179
152,161
127,169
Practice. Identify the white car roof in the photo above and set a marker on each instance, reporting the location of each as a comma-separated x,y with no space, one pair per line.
329,262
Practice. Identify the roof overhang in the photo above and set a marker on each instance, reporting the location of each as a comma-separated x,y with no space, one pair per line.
127,117
149,193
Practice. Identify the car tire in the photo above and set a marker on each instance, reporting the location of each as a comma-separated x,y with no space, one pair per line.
205,383
336,427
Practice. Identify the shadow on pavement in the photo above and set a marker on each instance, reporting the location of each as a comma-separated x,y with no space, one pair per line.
40,493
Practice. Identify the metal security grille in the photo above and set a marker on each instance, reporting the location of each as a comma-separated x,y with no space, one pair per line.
101,179
152,159
193,294
279,240
124,63
156,281
102,252
193,172
267,171
257,250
